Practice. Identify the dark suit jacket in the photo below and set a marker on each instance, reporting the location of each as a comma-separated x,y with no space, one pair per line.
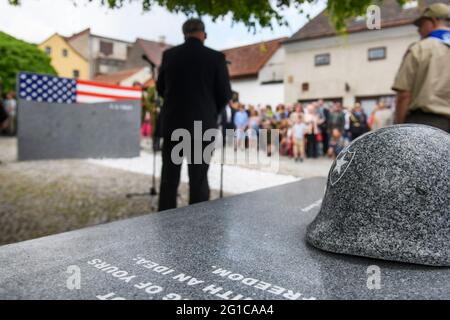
195,85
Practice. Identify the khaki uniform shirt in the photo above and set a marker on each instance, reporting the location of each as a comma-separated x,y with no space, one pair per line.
425,72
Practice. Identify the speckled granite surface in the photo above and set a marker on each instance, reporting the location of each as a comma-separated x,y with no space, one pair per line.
388,197
257,239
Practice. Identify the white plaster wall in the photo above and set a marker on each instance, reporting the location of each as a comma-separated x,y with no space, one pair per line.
119,49
349,64
252,92
273,70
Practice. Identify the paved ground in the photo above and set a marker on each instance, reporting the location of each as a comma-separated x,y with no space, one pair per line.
236,179
310,168
39,198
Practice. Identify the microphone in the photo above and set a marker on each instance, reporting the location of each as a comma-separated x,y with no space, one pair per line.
145,58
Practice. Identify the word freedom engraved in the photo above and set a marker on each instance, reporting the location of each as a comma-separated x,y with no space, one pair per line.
171,276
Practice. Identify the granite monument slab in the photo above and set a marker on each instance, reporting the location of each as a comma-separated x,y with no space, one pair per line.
250,246
48,131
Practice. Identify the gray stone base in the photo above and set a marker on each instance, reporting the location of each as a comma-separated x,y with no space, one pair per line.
248,246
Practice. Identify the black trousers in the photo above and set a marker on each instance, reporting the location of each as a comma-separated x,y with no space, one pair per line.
170,177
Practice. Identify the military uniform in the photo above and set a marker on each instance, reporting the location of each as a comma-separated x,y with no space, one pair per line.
425,73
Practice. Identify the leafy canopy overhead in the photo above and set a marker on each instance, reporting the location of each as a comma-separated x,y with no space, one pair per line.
16,56
252,13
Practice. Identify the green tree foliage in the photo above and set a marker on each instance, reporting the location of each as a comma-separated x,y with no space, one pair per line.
16,56
252,13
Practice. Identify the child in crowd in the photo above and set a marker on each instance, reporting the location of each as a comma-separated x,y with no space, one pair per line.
337,144
241,119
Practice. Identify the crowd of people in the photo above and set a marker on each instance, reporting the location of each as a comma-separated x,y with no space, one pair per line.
305,131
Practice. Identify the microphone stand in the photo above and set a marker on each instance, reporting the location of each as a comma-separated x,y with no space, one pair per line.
156,145
222,160
152,193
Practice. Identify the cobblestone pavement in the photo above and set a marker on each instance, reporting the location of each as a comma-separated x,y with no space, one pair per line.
40,198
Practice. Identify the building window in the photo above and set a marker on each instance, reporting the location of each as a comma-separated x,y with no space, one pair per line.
106,48
76,74
65,53
377,53
48,50
305,86
322,59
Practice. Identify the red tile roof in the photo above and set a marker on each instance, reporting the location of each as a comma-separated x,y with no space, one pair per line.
153,50
392,14
116,78
78,34
247,61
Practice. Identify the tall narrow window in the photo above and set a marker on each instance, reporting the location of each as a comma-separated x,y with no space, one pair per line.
48,50
76,74
65,53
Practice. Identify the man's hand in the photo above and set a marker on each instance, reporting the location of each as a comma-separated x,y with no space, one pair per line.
403,103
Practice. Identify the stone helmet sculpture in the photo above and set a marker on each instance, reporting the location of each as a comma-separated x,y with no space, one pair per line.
388,197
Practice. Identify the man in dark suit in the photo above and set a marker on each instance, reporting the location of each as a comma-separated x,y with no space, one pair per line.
194,83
